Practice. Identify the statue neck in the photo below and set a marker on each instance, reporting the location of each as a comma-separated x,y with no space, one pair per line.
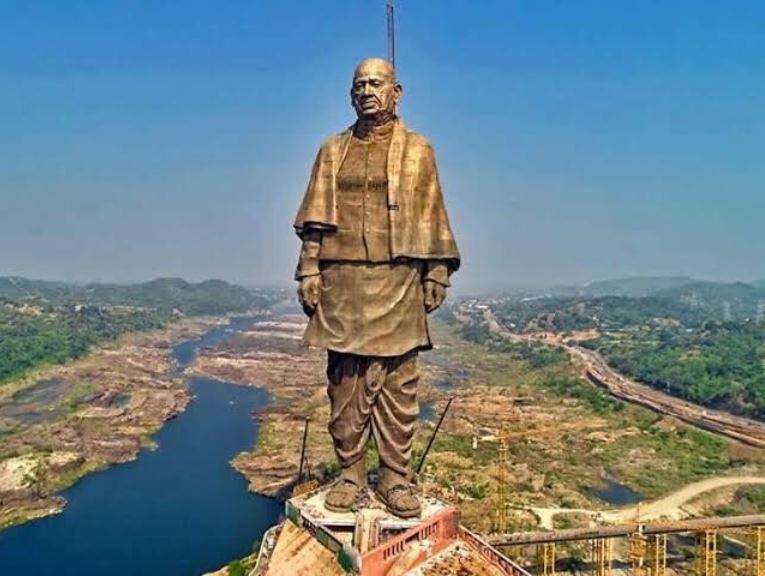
378,128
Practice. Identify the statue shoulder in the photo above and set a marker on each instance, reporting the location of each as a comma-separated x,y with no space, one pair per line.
335,140
417,140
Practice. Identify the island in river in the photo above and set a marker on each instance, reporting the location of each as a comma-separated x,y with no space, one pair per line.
60,423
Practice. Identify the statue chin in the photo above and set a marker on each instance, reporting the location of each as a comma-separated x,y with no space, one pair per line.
377,117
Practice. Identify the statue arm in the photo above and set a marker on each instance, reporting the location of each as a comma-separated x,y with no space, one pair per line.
437,271
307,272
308,262
435,280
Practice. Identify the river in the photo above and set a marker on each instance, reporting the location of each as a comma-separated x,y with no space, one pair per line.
177,510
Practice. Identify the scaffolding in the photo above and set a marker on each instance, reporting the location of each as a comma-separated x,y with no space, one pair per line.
500,521
754,540
602,551
638,553
706,553
546,559
758,557
657,555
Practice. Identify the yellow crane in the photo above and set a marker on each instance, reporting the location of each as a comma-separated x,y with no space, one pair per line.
500,517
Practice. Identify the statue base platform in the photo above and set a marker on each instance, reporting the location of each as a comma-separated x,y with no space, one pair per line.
370,541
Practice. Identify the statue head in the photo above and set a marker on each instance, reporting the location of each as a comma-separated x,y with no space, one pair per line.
375,91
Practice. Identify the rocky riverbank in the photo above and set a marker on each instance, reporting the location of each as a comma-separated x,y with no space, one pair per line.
548,415
270,355
63,422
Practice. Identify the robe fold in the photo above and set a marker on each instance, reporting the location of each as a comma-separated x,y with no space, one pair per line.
419,225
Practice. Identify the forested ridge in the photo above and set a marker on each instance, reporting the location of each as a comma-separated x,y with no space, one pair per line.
33,335
701,341
721,365
45,323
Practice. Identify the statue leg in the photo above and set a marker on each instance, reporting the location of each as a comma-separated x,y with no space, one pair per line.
349,425
394,415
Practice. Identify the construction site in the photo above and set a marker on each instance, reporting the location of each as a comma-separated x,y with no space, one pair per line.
369,541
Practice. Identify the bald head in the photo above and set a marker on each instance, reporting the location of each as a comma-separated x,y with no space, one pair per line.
375,91
378,66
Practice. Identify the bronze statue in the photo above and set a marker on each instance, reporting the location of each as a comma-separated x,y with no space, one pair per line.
376,257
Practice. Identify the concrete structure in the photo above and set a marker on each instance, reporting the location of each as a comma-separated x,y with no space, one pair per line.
372,542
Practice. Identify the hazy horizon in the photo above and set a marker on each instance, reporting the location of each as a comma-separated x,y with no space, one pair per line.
576,142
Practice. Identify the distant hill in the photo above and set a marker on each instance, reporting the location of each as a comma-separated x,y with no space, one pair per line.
719,301
634,287
701,341
163,294
44,322
691,304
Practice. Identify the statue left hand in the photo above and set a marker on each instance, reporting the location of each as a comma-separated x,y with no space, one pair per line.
435,294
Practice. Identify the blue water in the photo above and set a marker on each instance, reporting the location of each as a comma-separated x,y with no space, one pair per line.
427,412
615,493
177,510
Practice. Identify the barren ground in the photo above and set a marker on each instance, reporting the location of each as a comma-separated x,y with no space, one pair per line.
58,424
560,447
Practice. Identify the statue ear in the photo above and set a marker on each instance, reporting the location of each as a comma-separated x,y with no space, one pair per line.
398,90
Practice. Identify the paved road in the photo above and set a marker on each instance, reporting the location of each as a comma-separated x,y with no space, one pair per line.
738,428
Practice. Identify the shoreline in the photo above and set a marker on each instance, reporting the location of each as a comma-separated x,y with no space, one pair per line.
116,398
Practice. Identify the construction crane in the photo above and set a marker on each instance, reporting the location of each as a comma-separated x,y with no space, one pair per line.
500,518
390,12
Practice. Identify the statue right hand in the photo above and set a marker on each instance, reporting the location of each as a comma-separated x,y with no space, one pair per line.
308,293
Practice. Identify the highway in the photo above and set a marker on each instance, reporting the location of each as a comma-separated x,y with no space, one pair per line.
737,428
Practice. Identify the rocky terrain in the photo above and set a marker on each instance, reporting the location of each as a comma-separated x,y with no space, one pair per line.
270,355
60,423
564,439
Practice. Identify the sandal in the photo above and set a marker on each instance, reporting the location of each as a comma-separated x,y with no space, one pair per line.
400,500
342,496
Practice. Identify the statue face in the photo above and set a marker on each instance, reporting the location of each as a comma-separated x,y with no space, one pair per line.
374,90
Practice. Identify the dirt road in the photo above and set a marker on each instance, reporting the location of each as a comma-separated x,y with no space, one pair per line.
668,507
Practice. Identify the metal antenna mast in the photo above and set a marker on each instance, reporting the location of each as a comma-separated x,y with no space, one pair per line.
390,10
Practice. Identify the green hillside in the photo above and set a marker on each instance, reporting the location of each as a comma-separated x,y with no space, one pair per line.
34,335
45,322
163,294
702,341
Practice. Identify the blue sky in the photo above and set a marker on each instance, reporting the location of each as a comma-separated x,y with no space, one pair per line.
576,140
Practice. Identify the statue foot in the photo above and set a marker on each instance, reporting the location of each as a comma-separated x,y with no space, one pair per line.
348,488
400,500
342,496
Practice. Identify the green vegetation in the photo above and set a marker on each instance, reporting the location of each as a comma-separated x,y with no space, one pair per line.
536,355
700,341
31,337
633,440
235,568
691,305
721,365
167,295
43,323
600,402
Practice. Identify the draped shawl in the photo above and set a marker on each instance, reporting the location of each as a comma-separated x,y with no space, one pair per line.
419,225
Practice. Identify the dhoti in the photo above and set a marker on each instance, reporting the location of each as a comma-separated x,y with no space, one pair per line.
373,395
